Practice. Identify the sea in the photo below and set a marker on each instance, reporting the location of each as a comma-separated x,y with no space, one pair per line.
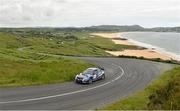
164,42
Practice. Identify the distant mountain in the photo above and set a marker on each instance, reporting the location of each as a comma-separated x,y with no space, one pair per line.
165,29
118,28
100,28
132,28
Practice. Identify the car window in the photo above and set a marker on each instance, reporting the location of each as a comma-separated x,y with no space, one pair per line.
96,72
99,70
88,71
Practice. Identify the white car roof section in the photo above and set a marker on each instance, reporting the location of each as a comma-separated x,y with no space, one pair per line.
93,68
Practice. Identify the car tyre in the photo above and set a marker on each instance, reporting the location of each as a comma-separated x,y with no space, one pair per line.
103,77
76,81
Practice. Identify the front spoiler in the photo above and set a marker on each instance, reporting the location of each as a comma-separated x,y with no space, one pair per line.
80,81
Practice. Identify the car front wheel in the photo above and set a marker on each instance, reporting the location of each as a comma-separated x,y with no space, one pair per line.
103,77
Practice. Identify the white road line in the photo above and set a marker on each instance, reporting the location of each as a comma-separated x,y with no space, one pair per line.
65,94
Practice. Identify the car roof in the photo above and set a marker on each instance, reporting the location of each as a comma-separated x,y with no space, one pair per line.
92,68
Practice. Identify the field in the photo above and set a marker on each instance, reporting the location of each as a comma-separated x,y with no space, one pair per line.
33,57
59,43
23,73
162,94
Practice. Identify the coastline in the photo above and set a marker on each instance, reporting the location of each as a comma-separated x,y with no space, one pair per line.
115,37
146,53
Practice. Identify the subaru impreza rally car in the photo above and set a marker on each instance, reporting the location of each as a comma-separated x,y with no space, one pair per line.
90,75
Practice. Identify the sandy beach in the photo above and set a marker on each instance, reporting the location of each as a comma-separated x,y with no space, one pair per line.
115,37
140,53
146,53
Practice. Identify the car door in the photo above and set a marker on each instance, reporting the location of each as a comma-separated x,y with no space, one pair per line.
99,74
95,75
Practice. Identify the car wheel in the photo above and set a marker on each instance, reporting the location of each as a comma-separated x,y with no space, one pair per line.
76,81
103,77
90,81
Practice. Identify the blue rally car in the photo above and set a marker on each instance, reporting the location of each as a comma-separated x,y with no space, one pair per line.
90,75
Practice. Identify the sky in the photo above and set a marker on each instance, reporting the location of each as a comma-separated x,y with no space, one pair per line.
82,13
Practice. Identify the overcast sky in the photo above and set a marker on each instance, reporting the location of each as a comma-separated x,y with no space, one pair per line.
63,13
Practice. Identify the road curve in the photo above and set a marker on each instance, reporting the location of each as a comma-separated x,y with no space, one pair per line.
123,77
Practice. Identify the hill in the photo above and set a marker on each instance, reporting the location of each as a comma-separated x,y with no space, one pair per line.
100,28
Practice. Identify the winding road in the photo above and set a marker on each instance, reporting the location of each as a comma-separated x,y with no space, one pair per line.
123,78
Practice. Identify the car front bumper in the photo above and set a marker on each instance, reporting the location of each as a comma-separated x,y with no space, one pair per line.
81,81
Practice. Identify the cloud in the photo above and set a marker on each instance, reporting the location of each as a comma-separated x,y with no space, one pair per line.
15,13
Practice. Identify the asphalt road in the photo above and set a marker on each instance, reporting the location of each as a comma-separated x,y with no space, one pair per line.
123,78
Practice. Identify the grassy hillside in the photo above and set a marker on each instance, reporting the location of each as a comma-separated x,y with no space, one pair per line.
27,56
23,73
60,43
162,94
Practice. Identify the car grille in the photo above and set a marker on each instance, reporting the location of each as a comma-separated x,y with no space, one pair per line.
79,78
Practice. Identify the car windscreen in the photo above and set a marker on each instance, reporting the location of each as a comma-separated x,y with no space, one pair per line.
88,71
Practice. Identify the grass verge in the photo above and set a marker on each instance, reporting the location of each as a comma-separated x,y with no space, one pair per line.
162,94
24,73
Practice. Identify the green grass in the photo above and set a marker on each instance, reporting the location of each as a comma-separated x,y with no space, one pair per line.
85,46
23,73
163,93
107,44
9,41
76,43
28,66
